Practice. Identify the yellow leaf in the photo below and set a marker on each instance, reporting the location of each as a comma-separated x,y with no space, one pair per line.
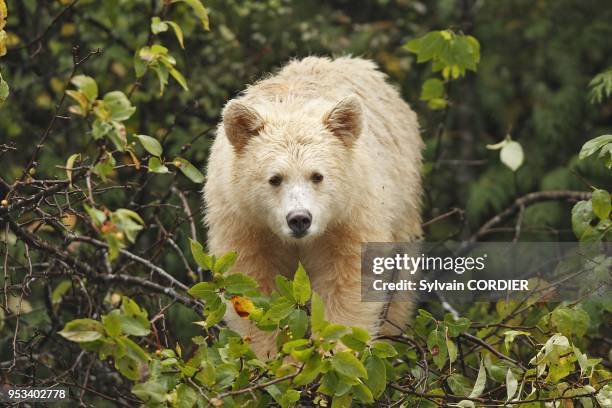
3,14
3,35
134,160
69,220
3,38
243,306
79,97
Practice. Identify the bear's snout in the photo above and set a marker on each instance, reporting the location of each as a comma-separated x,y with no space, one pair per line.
299,221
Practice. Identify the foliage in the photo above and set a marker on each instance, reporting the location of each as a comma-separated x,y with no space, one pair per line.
601,87
108,121
342,363
450,54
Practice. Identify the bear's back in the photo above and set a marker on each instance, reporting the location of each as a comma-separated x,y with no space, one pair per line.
317,77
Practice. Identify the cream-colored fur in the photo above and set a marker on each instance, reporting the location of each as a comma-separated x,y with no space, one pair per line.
338,118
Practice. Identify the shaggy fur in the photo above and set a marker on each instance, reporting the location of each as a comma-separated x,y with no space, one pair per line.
338,118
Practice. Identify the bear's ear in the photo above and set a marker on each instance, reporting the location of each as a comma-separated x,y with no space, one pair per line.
345,120
241,123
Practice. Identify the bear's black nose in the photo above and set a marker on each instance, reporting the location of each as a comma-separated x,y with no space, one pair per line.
299,221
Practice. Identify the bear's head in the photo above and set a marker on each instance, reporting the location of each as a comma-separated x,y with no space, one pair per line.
292,163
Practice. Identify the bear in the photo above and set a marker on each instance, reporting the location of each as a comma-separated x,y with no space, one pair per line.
307,165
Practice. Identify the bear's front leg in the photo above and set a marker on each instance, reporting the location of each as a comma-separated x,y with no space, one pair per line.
338,282
263,267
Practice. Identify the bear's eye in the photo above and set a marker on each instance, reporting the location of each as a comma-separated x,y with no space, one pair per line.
276,180
316,177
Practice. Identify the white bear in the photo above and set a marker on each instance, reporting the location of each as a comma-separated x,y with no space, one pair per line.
307,165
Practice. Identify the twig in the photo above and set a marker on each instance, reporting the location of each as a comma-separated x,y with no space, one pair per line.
134,257
259,386
525,201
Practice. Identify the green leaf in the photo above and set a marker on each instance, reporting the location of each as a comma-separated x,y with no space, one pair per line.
131,308
189,170
177,31
203,260
301,286
186,396
100,129
60,290
377,375
601,204
452,350
279,309
559,369
456,327
329,383
362,393
203,290
124,213
510,335
216,314
600,87
594,145
570,321
162,76
156,166
346,363
135,326
311,369
511,385
119,106
285,287
112,323
224,263
342,401
481,382
87,85
158,26
133,363
4,90
459,384
199,10
140,67
150,144
105,167
436,342
239,284
413,45
427,47
298,323
207,374
334,331
317,313
357,340
437,103
302,354
586,364
82,330
179,78
432,88
294,344
128,221
512,155
582,214
98,217
383,349
289,397
151,392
